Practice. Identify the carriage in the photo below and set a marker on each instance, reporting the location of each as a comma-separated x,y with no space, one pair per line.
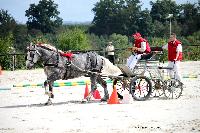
149,79
60,65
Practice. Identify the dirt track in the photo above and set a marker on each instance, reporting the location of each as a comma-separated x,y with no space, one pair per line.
22,109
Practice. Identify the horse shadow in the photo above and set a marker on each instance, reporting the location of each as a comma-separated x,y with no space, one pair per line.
53,104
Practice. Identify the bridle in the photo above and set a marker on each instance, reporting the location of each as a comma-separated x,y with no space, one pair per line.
32,52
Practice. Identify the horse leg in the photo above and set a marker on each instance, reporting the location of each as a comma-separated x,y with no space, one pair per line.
50,93
46,87
104,85
93,79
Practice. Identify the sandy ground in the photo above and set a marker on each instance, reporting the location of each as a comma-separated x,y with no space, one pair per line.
22,109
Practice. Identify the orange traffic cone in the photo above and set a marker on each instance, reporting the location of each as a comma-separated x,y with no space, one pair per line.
86,91
96,94
114,97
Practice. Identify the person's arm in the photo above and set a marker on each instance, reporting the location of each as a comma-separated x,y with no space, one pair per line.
143,47
107,49
112,49
165,46
178,50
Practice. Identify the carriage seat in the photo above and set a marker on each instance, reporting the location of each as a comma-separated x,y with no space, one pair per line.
154,51
147,56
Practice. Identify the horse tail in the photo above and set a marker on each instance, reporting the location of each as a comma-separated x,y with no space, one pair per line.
109,68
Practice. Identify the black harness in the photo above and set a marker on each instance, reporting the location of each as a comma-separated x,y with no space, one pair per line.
52,64
92,62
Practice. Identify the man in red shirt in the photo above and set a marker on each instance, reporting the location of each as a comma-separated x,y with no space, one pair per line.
174,48
140,47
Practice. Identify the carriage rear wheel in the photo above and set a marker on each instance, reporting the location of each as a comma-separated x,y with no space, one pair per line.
140,88
173,89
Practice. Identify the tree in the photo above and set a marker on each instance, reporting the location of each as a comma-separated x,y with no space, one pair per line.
6,44
145,24
104,12
43,16
132,10
189,18
115,16
161,23
20,37
73,39
162,8
7,23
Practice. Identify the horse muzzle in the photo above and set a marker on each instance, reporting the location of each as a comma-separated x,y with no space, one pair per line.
29,65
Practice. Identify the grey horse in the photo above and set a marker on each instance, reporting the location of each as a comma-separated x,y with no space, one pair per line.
58,65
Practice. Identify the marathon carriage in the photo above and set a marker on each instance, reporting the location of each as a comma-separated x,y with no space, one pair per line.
151,79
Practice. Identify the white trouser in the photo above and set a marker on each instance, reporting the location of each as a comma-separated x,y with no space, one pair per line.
175,70
132,60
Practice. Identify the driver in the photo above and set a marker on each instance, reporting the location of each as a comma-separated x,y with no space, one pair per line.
140,47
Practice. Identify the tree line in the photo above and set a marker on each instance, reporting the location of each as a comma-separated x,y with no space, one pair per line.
114,20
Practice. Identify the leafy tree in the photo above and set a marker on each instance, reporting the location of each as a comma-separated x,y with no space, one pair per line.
20,37
7,23
189,18
43,16
145,24
132,10
162,8
95,41
104,12
159,13
6,44
115,16
74,39
158,29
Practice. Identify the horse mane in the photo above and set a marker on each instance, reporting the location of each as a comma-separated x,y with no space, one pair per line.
49,47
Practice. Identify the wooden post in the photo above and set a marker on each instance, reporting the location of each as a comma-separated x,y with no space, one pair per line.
13,59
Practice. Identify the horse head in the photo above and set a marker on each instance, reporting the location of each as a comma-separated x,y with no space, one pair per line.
33,55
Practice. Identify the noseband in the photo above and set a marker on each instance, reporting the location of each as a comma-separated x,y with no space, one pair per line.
31,55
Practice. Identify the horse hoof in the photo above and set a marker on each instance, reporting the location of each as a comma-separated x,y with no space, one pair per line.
52,95
84,101
105,98
49,102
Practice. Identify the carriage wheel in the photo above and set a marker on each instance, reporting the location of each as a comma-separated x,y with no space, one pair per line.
140,88
157,88
173,89
121,86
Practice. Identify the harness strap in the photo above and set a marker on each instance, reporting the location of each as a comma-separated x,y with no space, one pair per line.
57,60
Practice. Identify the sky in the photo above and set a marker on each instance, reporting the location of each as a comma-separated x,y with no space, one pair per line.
70,10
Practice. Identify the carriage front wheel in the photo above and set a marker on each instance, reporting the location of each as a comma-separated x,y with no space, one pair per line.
140,88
